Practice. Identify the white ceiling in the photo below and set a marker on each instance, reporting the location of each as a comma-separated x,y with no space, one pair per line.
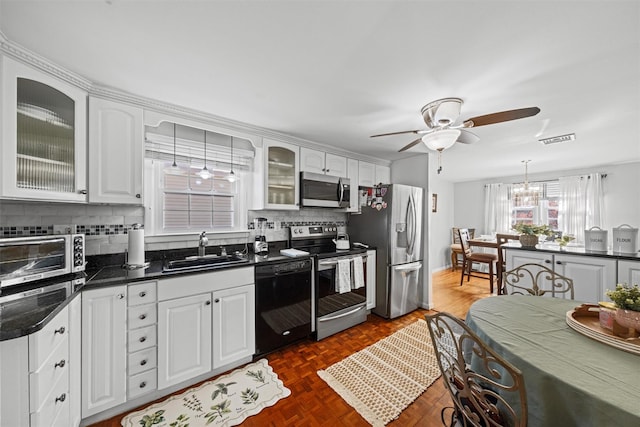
336,72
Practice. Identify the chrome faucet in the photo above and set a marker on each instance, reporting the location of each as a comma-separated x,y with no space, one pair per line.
202,243
223,251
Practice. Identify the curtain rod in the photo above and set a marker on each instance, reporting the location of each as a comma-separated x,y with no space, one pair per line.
602,175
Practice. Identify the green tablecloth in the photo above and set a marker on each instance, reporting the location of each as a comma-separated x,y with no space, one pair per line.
571,380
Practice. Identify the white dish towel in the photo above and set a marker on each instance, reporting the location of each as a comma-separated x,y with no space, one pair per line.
358,273
343,276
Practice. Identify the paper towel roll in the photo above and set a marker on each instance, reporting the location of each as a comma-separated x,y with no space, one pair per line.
136,247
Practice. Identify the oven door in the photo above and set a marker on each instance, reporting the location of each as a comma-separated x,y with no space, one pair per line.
27,259
336,307
324,190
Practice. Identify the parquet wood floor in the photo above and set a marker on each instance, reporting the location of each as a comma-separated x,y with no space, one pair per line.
313,403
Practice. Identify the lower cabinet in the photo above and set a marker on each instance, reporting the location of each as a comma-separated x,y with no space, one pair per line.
592,275
629,272
184,339
233,325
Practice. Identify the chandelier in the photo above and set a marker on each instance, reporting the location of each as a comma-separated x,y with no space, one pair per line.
525,195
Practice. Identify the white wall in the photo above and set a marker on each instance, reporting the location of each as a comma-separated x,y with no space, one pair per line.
621,187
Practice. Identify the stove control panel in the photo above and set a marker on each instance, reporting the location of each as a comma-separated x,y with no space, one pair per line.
306,231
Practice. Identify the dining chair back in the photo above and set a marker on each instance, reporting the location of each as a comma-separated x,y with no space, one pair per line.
536,279
486,389
456,248
501,266
469,258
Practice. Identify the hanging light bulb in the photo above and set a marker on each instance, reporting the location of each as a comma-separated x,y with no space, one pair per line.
173,169
525,195
232,177
204,173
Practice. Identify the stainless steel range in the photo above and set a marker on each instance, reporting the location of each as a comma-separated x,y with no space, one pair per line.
339,279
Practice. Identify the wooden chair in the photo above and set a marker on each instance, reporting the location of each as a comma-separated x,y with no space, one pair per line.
469,258
456,248
502,265
486,389
536,279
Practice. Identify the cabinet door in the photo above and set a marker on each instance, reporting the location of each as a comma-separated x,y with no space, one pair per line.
383,174
184,339
104,349
282,175
116,150
75,352
517,257
44,141
367,174
233,325
335,165
628,272
371,279
312,160
591,276
354,195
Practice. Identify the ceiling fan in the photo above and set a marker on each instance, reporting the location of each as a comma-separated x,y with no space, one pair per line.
442,131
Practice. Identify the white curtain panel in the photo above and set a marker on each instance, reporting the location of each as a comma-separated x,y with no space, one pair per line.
595,211
497,208
581,204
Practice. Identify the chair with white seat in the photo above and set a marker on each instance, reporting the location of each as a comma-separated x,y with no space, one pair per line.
486,389
456,248
537,280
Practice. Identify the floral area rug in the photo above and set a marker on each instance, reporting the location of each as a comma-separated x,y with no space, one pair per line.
224,401
384,378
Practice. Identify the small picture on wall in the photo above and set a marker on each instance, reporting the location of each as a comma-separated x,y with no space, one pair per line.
434,202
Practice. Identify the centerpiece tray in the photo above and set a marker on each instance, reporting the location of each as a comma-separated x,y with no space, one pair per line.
585,320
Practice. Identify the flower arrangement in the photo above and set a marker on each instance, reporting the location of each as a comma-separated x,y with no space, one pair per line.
626,297
533,230
564,240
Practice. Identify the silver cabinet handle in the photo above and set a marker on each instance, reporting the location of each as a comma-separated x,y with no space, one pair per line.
120,296
142,316
60,330
142,294
143,362
207,302
138,196
82,191
547,261
60,364
143,384
217,300
142,339
62,398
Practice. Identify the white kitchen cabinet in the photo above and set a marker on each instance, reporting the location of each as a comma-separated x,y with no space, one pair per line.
323,163
44,136
184,339
352,174
75,365
366,174
591,275
142,350
233,325
282,175
382,174
116,151
371,279
104,349
628,272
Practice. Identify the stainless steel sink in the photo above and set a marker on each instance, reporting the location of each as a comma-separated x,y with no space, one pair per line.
203,262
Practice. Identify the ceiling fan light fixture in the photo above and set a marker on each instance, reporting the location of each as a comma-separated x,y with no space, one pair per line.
443,112
441,139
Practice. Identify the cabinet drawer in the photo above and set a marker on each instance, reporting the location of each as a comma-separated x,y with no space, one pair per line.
142,361
142,383
57,400
142,315
142,338
43,342
49,373
143,293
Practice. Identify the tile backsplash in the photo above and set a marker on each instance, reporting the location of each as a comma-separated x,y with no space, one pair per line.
105,226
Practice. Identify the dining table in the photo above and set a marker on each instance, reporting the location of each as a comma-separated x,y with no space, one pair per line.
570,378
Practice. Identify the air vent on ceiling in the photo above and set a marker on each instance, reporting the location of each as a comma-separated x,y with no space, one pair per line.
557,139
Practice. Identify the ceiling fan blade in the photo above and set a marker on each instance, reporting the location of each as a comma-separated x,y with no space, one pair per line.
396,133
409,145
467,137
503,116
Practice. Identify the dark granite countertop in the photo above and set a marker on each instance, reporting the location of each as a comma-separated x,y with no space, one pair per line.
573,250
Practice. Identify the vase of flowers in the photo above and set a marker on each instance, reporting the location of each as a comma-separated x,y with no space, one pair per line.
529,233
627,300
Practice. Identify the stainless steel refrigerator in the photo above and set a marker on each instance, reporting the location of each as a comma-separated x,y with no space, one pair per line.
392,223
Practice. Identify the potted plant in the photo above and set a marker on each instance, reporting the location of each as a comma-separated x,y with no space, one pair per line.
627,300
529,233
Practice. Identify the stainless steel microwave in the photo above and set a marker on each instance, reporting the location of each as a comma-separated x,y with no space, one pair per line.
27,259
324,191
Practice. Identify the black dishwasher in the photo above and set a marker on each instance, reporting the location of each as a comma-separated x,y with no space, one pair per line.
283,303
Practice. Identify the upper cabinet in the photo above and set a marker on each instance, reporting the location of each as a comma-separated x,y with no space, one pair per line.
382,174
371,175
116,150
352,174
44,136
322,163
282,175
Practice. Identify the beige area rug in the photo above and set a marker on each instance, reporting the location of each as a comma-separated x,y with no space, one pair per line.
225,401
384,378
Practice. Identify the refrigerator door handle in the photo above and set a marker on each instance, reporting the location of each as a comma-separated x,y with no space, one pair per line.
411,225
408,267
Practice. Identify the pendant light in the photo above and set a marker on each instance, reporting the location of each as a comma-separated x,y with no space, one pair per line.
204,173
526,196
173,169
231,177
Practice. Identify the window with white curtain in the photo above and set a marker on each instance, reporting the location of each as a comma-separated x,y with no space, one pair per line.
180,199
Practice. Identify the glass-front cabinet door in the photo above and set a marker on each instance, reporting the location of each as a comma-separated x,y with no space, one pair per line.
43,135
282,175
